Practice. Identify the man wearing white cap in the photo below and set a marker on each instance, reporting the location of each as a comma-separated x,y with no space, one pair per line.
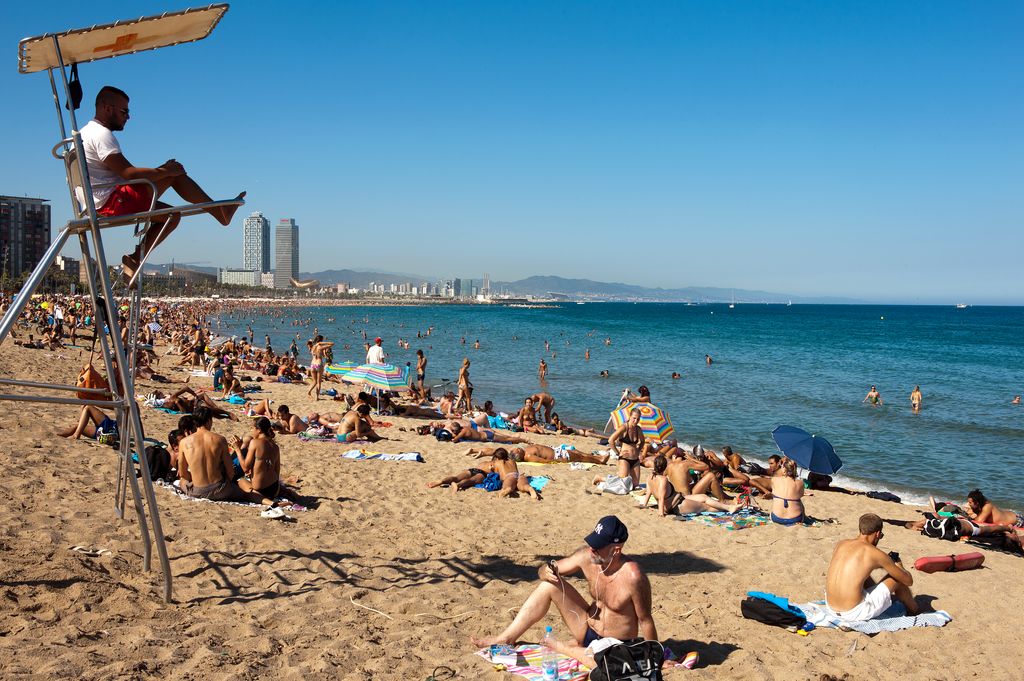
622,594
375,355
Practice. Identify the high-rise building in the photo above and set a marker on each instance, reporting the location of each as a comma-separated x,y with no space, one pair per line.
256,243
24,233
286,253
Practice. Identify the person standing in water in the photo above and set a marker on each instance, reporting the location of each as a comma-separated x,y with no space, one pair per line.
873,396
915,398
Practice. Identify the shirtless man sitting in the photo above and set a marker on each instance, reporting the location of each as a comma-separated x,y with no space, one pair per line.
287,422
621,607
849,589
205,467
354,425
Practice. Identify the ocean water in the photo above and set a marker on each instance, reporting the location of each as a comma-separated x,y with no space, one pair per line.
803,365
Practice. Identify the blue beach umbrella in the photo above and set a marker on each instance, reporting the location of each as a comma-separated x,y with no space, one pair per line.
812,452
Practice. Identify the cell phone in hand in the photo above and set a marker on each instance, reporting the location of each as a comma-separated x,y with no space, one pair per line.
895,556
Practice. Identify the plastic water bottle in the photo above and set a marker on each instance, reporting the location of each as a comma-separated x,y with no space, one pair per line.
549,659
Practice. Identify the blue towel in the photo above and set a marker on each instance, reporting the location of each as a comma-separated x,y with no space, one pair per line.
538,482
234,399
498,422
777,600
491,483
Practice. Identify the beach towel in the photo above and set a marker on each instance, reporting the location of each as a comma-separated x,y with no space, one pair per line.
538,482
169,411
180,493
492,482
893,619
234,399
362,455
315,436
498,422
528,659
740,520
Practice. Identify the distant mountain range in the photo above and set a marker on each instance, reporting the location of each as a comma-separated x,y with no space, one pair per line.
582,289
560,287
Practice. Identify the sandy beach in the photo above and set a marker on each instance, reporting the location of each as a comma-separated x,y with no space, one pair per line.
386,579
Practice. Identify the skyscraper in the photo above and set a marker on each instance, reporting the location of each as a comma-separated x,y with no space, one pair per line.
24,233
256,243
286,253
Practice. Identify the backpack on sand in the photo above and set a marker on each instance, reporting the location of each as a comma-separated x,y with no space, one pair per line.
159,461
766,612
633,660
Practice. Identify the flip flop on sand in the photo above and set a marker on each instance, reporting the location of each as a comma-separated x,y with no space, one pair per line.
92,551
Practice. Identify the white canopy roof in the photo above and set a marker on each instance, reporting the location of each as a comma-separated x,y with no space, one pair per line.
120,38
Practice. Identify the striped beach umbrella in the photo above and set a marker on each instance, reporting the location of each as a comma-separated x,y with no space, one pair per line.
379,376
654,421
340,369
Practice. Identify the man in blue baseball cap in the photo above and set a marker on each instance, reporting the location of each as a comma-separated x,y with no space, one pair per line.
621,607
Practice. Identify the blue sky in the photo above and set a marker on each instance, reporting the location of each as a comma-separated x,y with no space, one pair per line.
870,150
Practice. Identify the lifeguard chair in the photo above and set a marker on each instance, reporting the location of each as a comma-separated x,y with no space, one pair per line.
54,53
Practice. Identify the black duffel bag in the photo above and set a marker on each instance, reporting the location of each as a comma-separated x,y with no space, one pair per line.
633,660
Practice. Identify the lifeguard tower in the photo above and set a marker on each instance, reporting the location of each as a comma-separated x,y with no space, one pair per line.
55,53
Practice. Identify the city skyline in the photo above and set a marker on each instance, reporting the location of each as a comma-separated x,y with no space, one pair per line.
847,149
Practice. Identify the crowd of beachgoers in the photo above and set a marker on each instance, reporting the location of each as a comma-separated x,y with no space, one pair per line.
203,376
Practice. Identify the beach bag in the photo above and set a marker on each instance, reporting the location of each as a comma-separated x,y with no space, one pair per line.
633,660
943,528
753,468
766,612
90,378
159,461
443,435
884,496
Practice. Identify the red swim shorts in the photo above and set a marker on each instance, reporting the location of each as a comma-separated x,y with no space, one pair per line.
127,199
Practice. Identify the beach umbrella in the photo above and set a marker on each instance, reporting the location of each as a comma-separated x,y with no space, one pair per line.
340,369
379,376
654,421
812,452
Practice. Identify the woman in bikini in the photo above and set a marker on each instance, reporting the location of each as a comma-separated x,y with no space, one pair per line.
528,418
627,442
318,352
787,495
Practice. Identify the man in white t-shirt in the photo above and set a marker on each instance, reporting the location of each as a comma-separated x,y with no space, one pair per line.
375,355
108,167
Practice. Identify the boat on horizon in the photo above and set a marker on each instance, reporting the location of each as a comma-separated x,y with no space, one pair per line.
962,306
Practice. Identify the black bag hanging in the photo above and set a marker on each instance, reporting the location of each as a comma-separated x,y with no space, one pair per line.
74,89
633,660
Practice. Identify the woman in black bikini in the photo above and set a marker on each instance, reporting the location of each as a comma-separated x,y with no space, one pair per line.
627,442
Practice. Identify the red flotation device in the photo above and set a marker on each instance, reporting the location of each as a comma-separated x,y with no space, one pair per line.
951,563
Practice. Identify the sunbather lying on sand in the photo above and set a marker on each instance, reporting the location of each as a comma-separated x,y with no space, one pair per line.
91,421
463,479
478,434
512,481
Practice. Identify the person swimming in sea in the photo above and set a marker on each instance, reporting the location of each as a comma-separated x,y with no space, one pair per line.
873,396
